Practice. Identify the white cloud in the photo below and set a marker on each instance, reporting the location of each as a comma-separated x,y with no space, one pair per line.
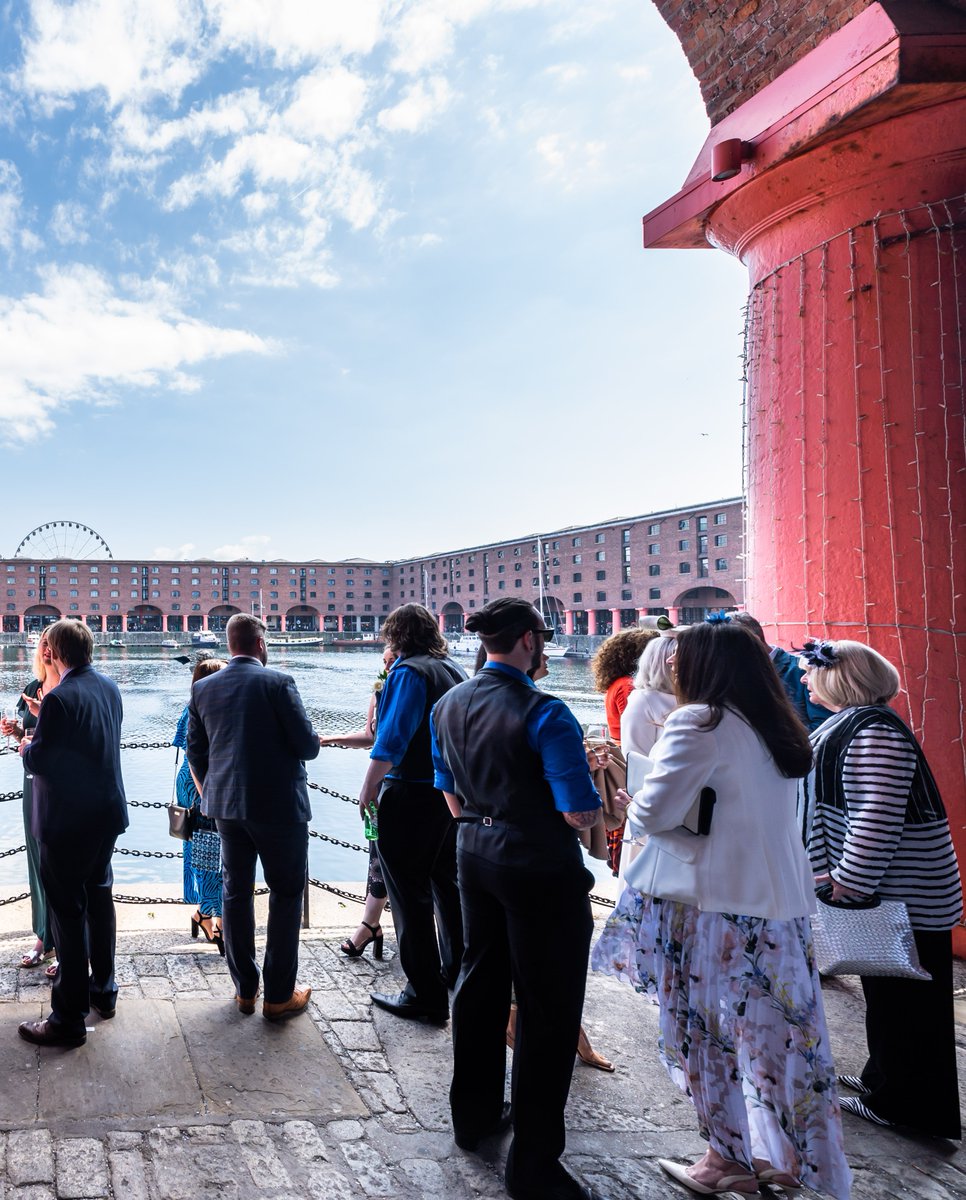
67,224
570,160
566,73
10,198
78,339
127,48
422,102
295,30
327,104
252,545
176,554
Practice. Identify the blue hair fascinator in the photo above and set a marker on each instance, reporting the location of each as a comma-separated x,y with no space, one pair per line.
718,618
818,654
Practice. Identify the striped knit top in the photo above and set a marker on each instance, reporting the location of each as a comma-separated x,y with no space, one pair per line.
872,815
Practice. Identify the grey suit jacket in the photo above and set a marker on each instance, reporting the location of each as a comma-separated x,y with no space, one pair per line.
248,737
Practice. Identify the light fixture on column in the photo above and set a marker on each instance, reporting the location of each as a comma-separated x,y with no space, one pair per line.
727,158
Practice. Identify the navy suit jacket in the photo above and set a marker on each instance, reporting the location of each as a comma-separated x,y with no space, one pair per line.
248,734
75,759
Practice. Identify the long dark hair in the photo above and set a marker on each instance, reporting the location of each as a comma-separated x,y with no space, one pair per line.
726,666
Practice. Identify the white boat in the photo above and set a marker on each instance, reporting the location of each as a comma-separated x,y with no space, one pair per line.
33,641
295,643
463,645
169,644
204,639
116,642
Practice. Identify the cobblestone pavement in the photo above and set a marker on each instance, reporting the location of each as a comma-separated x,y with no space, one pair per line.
401,1144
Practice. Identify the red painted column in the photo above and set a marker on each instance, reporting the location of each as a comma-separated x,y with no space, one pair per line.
440,622
568,622
592,622
615,620
851,219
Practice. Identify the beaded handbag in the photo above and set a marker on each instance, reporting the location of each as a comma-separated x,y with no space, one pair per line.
865,937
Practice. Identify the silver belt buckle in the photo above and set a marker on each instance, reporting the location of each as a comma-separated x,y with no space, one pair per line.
488,821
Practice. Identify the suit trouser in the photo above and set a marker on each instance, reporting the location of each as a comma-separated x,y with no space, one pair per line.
911,1032
283,850
77,877
417,849
505,915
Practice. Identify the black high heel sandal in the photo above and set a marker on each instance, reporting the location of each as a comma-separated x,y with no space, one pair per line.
351,950
218,937
202,924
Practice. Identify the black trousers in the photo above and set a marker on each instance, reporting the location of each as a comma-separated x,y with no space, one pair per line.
417,849
531,927
911,1070
283,850
78,878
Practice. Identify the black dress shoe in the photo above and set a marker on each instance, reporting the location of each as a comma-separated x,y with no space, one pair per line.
45,1033
403,1005
468,1139
104,1011
559,1184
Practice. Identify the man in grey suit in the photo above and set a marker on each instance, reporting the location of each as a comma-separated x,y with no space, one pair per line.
248,737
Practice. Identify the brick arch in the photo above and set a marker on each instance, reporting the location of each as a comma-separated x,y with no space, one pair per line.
734,49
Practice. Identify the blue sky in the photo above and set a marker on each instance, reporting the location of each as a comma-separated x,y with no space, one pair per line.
301,278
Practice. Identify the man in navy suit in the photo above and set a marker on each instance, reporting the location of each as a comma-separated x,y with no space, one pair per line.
78,811
248,737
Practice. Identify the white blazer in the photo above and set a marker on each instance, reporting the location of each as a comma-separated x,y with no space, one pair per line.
753,861
642,721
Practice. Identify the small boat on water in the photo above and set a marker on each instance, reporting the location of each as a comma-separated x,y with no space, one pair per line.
294,643
204,639
116,642
463,645
169,644
33,641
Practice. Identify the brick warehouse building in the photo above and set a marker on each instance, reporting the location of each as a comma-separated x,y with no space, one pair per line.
595,578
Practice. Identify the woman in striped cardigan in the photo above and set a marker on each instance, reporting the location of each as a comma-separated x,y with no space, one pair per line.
874,822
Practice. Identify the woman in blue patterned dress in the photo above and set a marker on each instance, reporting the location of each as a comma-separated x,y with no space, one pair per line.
202,870
715,926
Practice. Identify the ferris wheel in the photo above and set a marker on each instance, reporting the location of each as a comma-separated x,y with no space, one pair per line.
63,539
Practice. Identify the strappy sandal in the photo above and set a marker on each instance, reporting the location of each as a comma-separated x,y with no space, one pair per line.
51,971
587,1054
351,950
36,956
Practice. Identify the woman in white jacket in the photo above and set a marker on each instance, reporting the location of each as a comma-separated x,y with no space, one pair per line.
715,926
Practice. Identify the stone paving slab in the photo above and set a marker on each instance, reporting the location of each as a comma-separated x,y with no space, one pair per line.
396,1140
250,1067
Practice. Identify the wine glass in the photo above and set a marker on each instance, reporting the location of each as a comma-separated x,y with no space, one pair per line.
10,714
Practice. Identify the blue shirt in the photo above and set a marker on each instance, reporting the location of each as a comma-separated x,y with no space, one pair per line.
553,733
402,703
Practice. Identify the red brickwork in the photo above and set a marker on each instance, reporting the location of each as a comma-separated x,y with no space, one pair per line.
736,48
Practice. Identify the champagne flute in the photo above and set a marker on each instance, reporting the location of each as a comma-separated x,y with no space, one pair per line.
10,714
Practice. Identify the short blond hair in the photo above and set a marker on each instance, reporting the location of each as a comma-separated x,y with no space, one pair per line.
859,675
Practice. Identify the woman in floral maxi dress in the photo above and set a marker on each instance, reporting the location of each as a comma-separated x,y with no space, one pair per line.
715,926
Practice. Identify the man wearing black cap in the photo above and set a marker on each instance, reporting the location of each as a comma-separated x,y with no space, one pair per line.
510,760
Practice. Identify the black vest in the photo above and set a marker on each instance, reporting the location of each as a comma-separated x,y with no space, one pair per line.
439,675
481,730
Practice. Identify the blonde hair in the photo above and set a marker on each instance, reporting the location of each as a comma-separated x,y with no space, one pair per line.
860,675
40,667
653,672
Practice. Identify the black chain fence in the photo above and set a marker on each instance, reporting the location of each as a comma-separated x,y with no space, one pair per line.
332,718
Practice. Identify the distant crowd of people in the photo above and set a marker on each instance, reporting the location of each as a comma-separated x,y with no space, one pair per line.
763,773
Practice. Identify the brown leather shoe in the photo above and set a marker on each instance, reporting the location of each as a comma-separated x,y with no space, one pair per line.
246,1007
294,1004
